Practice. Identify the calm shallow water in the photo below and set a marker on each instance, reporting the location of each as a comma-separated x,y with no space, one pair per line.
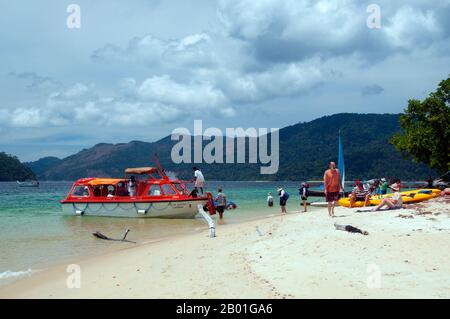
34,233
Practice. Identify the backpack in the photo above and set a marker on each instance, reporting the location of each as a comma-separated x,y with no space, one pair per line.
286,195
300,191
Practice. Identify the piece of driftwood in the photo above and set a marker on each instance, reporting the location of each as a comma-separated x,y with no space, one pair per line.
101,236
351,229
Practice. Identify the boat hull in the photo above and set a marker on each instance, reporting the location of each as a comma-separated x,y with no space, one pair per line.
168,209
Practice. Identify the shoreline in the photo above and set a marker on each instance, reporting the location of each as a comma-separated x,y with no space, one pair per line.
293,256
26,274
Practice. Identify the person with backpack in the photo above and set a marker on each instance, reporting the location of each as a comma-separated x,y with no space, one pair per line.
284,196
303,191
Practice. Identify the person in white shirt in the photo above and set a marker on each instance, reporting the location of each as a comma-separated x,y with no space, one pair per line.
199,179
283,199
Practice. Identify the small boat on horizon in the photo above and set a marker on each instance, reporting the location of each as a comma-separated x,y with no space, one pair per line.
154,195
28,183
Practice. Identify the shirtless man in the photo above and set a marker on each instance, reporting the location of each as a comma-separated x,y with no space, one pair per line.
332,186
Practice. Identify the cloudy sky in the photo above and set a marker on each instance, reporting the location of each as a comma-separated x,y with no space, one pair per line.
137,69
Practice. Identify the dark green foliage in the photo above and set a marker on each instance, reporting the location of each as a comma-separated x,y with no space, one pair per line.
11,169
305,150
426,129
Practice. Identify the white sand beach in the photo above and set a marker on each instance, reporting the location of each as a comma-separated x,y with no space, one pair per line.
299,255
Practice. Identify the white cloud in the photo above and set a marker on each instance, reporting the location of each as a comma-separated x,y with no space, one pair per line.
157,100
153,51
410,27
263,50
23,117
293,30
281,80
193,95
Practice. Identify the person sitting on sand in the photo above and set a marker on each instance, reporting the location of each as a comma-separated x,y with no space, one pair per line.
396,187
304,192
283,199
269,200
359,194
393,202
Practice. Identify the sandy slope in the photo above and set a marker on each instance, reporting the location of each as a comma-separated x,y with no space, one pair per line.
293,256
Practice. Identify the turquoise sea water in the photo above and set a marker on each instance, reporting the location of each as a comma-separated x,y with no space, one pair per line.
35,233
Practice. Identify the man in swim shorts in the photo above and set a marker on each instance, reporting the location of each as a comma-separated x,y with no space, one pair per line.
332,186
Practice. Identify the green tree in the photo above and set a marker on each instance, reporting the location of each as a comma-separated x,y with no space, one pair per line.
426,129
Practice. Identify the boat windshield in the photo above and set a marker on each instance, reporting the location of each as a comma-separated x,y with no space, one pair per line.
81,191
181,189
154,190
168,189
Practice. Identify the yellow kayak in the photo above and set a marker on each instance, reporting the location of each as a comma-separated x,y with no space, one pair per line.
408,197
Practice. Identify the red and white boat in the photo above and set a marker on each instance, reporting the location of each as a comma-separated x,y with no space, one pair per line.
156,196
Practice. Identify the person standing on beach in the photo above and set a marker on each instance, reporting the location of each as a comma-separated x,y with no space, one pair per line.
283,199
199,179
332,186
221,202
269,200
303,192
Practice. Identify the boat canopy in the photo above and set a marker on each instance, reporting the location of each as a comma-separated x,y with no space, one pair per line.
141,170
104,181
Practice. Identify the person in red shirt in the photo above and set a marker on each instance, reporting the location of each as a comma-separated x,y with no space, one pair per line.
332,186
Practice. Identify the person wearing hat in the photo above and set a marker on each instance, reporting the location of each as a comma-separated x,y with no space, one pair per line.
332,186
383,186
283,199
359,194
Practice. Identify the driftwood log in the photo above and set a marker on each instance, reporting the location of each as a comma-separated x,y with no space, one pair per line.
101,236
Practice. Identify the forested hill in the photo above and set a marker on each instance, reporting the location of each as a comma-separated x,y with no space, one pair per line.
305,150
11,169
